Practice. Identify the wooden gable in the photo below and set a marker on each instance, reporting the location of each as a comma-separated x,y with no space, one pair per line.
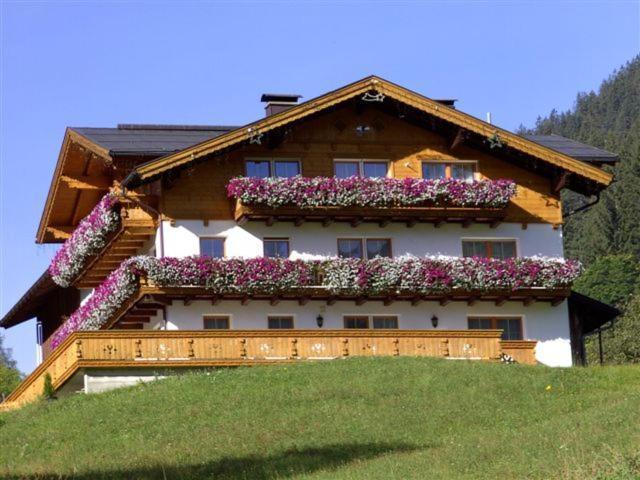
584,177
199,192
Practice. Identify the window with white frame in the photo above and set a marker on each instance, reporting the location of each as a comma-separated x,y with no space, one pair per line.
348,167
272,167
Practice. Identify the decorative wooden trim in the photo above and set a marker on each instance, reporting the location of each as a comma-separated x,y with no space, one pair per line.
357,215
401,94
70,136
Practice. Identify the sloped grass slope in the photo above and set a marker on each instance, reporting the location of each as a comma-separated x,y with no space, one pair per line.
379,418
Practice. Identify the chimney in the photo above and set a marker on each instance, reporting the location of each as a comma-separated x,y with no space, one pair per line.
278,102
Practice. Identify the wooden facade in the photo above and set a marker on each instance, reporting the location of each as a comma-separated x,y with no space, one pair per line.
399,126
200,191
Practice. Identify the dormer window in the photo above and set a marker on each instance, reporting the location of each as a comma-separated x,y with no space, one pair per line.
462,170
273,167
344,168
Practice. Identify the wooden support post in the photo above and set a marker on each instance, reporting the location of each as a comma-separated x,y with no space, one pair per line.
360,301
303,301
299,221
415,301
501,301
445,301
528,301
327,221
466,223
274,301
331,301
356,221
388,301
270,221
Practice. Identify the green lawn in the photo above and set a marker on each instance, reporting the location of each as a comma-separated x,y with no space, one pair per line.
380,418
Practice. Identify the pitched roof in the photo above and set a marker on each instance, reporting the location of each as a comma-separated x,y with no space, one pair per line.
28,305
152,169
156,140
574,149
152,140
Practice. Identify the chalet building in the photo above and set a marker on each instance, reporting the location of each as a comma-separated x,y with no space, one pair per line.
368,221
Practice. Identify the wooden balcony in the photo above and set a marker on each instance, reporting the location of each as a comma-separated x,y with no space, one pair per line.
410,216
215,348
137,227
150,298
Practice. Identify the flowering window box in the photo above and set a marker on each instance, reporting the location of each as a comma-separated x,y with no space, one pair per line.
115,227
442,279
360,199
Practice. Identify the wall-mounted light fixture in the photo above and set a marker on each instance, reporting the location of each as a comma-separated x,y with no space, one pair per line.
320,320
434,321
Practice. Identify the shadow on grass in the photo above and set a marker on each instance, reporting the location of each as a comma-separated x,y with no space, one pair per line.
252,467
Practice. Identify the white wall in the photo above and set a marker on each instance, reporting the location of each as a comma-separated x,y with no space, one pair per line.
311,238
541,321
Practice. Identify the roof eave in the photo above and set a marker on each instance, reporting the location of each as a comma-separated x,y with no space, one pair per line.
152,169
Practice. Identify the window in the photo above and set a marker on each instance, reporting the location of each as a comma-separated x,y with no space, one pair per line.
350,248
354,247
364,321
216,322
280,322
489,248
276,247
378,247
511,326
460,170
356,321
362,168
273,168
385,321
212,247
347,169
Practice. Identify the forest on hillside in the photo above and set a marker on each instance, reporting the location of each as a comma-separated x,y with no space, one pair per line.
606,237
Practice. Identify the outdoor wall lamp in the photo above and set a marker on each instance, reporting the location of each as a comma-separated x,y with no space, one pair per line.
434,321
319,320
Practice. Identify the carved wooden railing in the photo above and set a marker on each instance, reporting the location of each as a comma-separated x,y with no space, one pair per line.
522,351
206,348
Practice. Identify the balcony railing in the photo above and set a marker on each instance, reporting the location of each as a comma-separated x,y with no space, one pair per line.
114,230
207,348
442,279
382,200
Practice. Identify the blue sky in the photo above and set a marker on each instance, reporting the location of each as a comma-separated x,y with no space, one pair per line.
84,63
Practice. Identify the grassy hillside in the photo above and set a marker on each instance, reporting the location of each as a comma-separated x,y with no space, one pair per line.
375,418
